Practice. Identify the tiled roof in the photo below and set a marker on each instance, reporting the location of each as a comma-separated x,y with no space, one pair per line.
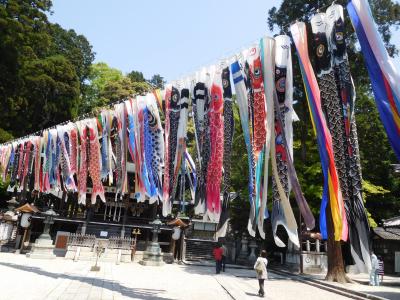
393,222
387,233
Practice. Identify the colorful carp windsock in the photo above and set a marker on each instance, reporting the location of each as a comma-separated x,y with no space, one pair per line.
157,142
46,161
116,146
243,104
27,165
143,148
355,211
54,153
20,166
14,167
134,146
200,104
384,76
331,192
148,156
214,171
267,53
122,184
282,213
229,129
104,120
172,114
5,158
83,161
95,161
68,179
166,182
259,121
284,117
37,163
331,103
73,151
181,137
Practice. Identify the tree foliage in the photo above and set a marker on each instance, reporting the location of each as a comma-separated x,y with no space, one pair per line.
136,76
157,81
107,85
42,68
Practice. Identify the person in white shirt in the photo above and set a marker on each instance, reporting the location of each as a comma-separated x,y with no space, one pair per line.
373,276
261,268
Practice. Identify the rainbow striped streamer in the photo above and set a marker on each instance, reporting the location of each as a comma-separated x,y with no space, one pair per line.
331,191
384,76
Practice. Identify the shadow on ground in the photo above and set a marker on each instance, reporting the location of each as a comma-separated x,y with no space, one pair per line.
146,294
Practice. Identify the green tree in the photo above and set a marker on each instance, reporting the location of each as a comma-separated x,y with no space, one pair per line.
101,79
42,68
52,89
76,48
107,85
141,88
157,81
136,76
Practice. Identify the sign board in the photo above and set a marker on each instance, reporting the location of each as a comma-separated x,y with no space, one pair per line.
103,233
61,239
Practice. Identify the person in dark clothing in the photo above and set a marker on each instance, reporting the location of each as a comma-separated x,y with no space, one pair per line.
224,253
381,269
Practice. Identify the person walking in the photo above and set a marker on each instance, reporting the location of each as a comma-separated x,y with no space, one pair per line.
373,276
218,257
224,253
176,238
261,269
381,269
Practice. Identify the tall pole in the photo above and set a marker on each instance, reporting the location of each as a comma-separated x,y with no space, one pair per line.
183,174
301,245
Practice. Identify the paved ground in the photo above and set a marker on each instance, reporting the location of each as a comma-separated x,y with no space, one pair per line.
26,278
390,289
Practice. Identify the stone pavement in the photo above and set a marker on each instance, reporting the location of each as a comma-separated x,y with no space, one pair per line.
34,279
390,289
359,289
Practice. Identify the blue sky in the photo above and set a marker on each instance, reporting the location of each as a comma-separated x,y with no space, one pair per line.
171,38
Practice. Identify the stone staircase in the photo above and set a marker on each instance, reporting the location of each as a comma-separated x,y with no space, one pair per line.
199,250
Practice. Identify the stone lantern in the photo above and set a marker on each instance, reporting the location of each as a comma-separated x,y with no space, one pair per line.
252,257
49,216
153,256
43,247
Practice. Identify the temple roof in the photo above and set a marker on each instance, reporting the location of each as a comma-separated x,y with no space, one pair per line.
27,208
392,222
387,233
